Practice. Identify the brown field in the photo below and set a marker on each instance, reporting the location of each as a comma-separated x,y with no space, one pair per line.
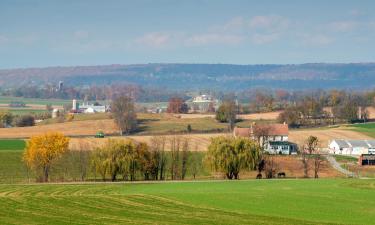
260,116
293,168
76,128
197,142
325,135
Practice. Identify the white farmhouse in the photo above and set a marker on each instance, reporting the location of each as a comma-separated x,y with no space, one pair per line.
274,137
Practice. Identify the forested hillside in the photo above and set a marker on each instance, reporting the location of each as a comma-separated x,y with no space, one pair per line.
223,77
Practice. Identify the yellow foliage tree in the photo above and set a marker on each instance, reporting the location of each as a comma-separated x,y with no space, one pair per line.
42,150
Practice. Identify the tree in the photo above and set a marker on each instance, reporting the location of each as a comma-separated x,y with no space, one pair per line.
177,105
43,150
317,162
175,143
158,157
188,128
184,158
25,121
261,133
6,119
311,144
99,162
291,116
124,114
231,155
227,113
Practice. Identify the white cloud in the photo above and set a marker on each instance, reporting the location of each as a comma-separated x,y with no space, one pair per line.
213,38
264,38
269,22
155,39
234,24
316,39
343,26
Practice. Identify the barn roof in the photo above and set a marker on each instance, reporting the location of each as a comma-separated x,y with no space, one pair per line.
355,143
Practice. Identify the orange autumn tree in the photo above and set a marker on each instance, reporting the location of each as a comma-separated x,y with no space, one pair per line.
42,150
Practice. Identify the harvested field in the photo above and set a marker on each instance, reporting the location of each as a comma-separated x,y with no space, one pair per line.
76,128
325,135
260,116
197,142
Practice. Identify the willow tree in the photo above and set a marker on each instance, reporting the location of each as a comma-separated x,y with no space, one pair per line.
43,150
231,155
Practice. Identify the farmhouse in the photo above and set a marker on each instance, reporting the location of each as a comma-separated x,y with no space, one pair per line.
203,103
273,137
88,108
352,147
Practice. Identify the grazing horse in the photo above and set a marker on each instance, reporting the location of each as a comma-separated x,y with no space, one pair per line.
281,174
259,176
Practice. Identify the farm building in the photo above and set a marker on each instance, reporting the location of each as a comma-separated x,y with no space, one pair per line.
366,160
281,147
274,137
203,103
88,108
352,147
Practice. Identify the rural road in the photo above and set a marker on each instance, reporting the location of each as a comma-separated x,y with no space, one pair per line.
338,167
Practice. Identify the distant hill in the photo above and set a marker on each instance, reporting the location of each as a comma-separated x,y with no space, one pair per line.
224,77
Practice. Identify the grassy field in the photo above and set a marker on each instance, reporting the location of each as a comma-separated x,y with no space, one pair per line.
9,144
221,202
34,101
367,129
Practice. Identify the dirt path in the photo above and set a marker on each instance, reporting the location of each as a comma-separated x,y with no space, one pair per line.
338,167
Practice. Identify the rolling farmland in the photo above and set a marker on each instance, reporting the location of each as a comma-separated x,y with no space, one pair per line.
208,202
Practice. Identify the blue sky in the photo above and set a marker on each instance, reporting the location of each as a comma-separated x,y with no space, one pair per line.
73,32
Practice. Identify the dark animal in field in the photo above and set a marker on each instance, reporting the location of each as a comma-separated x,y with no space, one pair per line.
281,174
259,176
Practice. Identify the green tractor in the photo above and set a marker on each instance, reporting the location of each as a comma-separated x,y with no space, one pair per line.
99,134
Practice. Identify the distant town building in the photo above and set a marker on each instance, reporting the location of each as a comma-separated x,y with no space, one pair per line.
352,147
61,85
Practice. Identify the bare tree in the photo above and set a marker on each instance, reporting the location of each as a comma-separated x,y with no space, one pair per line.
175,144
270,167
124,114
261,133
305,164
184,158
317,162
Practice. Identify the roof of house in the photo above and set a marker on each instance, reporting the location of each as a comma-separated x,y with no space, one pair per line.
355,143
273,129
269,129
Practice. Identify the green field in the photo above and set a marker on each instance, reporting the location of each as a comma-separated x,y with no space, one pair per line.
36,101
217,202
9,144
367,128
